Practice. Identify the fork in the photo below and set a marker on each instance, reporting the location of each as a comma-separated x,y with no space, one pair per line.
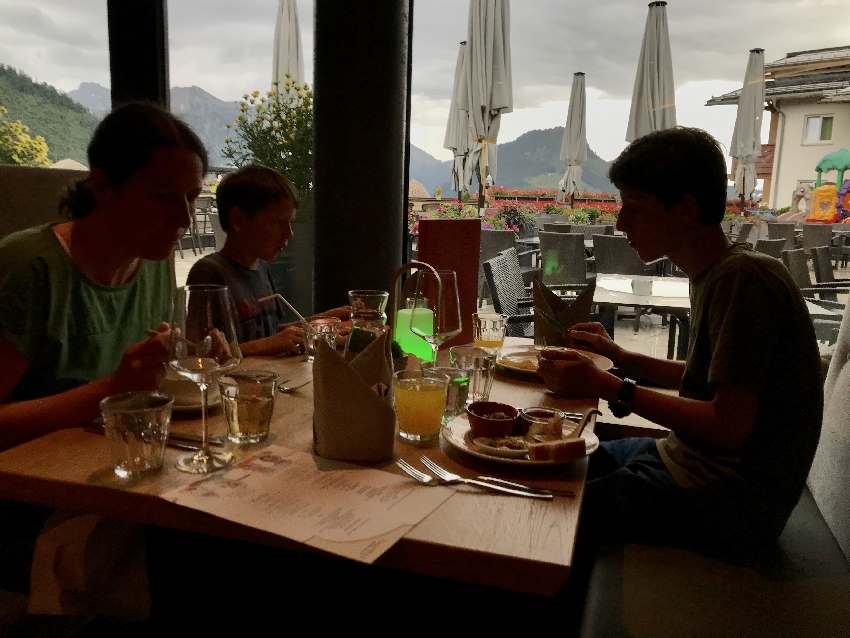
288,389
413,473
446,477
489,481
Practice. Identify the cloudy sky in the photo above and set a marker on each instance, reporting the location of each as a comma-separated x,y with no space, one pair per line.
225,47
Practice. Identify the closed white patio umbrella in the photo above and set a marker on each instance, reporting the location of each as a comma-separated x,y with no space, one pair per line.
574,144
654,96
287,59
458,134
488,87
746,139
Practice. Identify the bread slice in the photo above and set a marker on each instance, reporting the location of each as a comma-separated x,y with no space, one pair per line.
558,451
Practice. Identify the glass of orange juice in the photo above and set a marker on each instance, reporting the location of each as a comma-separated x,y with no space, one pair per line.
420,400
488,331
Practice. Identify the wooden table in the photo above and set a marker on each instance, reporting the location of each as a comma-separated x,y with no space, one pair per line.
508,542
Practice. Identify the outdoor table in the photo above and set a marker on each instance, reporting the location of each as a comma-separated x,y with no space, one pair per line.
671,295
476,537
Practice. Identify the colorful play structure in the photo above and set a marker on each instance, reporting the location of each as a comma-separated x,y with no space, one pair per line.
830,203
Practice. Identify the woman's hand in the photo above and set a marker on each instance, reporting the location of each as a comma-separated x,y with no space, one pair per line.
143,363
593,336
569,374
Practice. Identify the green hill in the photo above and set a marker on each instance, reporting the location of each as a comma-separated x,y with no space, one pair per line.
65,125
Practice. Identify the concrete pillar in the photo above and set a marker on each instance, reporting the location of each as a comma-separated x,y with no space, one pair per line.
360,101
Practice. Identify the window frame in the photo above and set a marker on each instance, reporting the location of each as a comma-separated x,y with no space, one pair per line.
821,117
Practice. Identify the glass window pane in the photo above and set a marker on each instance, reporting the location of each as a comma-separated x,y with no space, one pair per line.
826,129
813,126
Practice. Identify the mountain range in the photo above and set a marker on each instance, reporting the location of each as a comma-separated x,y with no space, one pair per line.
67,120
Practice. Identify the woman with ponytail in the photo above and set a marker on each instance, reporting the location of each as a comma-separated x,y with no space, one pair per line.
78,299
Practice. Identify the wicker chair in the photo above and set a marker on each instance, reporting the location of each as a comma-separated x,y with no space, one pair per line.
744,233
815,235
492,243
614,255
783,230
562,258
797,263
557,227
772,247
504,280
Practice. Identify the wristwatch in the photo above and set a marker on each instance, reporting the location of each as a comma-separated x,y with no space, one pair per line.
622,405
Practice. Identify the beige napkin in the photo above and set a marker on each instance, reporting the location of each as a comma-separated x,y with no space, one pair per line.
353,416
86,564
564,311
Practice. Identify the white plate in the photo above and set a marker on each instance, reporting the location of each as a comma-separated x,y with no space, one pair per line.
456,431
525,361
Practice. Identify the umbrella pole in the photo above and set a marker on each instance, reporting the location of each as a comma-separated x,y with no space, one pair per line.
482,174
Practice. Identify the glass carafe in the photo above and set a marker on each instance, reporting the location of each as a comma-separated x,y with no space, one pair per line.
368,318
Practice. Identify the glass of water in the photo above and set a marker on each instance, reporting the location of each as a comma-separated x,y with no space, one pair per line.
480,365
137,425
456,393
325,328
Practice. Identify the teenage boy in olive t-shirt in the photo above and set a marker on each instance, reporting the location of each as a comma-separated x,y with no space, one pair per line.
746,421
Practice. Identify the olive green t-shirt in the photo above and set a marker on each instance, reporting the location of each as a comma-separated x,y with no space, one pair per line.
750,328
70,329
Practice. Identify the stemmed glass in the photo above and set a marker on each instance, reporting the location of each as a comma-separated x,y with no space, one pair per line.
203,346
435,315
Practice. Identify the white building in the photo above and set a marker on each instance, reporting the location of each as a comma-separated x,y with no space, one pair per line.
808,97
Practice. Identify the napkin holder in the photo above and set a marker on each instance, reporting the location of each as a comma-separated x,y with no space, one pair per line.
353,416
554,315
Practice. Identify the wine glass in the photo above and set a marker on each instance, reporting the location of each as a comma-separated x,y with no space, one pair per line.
435,315
203,346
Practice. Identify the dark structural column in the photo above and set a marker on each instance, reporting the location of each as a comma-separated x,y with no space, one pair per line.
138,51
360,91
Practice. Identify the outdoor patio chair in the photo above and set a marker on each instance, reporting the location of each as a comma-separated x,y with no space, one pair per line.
562,259
204,231
772,247
824,273
557,227
797,263
492,243
815,235
744,233
523,262
509,294
783,230
547,218
612,254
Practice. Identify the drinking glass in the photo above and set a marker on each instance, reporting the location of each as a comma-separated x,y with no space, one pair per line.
368,318
488,331
248,400
435,315
456,391
321,328
203,346
480,365
137,424
420,401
